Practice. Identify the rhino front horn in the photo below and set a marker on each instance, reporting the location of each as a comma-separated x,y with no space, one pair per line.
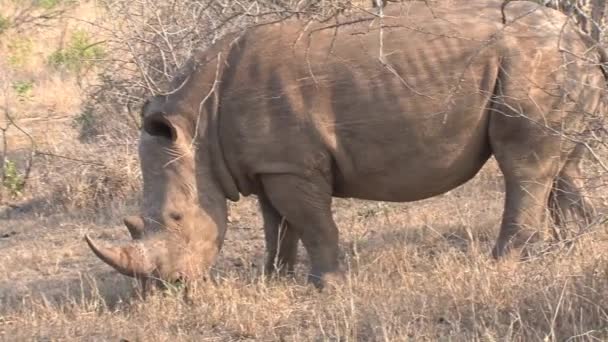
128,260
135,225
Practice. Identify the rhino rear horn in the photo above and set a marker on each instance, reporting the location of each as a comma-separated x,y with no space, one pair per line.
129,260
135,225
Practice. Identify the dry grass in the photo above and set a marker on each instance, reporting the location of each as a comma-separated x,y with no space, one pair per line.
418,271
43,105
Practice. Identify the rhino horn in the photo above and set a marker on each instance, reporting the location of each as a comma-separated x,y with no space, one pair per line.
135,225
129,260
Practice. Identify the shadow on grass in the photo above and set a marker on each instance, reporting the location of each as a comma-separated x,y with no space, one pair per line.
101,289
433,238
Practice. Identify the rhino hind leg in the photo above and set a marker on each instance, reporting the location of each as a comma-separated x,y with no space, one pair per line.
306,205
281,240
524,214
567,202
529,159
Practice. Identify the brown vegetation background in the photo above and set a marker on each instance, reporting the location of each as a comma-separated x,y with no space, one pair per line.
73,75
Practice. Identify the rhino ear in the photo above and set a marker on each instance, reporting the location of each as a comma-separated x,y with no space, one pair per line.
157,125
135,225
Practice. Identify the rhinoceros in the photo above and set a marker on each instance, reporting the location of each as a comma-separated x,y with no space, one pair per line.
398,107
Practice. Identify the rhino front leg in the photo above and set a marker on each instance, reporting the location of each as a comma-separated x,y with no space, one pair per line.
306,205
281,240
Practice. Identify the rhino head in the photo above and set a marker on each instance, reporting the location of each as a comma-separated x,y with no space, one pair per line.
182,223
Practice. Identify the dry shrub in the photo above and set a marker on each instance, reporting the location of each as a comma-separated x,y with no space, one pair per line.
149,42
95,186
90,181
48,65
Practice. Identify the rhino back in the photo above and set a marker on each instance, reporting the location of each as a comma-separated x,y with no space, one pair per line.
307,99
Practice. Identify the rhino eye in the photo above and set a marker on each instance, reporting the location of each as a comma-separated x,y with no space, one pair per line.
158,126
176,216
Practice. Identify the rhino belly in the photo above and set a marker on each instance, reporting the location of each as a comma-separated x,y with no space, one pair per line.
414,171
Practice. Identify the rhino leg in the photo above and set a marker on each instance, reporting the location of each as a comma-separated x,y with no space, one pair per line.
281,240
567,197
524,214
306,204
530,160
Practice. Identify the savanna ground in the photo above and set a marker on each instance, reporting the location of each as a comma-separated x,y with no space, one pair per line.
415,271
